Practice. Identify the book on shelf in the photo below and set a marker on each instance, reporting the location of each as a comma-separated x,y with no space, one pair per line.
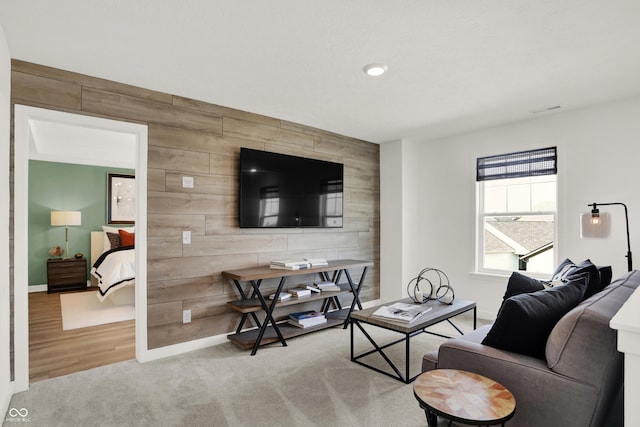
327,286
311,288
282,297
317,262
401,312
334,288
324,283
308,323
299,292
308,314
289,262
300,266
305,319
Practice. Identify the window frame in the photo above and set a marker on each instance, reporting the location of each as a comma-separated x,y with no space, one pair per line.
481,216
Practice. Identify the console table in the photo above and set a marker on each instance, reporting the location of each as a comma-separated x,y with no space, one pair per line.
269,331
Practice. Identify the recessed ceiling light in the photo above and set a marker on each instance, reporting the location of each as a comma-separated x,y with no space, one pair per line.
375,70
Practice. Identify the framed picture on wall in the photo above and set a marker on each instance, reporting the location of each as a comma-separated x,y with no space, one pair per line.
121,198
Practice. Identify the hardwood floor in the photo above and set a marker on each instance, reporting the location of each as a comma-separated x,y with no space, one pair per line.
54,352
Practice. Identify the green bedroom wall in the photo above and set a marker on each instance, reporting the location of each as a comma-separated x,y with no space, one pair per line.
64,186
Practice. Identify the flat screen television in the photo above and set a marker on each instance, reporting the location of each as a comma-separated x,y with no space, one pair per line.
278,191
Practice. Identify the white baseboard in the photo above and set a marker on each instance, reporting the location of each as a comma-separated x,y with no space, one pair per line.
5,400
185,347
43,288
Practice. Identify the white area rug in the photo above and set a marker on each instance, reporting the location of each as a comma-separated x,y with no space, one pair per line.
83,309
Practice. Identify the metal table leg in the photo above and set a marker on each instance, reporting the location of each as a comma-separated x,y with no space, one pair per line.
355,288
380,350
244,296
326,305
268,314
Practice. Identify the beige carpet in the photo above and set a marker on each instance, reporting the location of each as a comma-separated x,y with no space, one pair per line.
83,309
311,382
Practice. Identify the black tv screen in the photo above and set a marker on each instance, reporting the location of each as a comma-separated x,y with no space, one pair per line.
278,190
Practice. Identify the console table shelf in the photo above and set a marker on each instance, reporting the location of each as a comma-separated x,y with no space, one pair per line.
252,305
269,331
247,339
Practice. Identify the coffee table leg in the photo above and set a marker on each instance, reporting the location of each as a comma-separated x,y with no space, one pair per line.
355,288
432,419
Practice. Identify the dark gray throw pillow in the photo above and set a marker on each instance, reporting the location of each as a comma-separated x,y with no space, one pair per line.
567,269
521,284
114,240
526,320
562,269
593,285
606,274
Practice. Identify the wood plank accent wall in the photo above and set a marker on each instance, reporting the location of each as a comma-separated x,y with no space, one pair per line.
193,138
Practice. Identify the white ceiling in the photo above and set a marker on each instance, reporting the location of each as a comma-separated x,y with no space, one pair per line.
54,141
454,65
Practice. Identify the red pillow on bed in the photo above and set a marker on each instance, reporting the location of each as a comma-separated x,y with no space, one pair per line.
126,238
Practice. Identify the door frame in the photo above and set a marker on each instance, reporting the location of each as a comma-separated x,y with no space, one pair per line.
24,117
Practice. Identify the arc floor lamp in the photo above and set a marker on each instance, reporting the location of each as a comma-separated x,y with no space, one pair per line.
596,224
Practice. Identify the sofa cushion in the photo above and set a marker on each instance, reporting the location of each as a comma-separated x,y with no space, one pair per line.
525,321
430,360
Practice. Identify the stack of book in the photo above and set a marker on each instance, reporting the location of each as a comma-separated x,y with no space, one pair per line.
317,262
311,288
327,286
306,319
290,264
300,292
282,297
401,312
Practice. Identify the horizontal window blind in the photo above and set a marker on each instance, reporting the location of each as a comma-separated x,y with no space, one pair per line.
516,165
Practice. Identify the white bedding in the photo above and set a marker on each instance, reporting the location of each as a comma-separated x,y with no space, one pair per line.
114,270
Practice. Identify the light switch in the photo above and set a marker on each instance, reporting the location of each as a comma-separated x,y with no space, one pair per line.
187,182
186,237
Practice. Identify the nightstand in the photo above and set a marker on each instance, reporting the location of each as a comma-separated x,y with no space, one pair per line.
66,274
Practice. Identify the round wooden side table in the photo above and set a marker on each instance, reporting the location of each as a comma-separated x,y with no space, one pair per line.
463,397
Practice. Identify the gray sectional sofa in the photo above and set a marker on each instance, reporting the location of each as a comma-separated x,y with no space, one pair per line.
578,382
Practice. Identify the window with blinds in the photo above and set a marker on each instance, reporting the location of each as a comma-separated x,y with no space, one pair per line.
517,205
515,165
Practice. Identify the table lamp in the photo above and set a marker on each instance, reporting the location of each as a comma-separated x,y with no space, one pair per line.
66,218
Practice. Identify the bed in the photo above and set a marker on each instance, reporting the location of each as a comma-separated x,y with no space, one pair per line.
112,267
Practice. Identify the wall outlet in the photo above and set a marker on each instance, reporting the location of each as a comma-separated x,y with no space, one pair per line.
186,237
186,316
187,182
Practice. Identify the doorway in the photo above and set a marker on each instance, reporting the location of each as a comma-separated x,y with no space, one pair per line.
50,135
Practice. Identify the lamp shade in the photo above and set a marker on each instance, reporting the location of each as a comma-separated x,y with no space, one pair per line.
595,227
66,218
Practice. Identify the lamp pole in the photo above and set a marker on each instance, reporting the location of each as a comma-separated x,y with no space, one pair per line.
66,241
626,217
